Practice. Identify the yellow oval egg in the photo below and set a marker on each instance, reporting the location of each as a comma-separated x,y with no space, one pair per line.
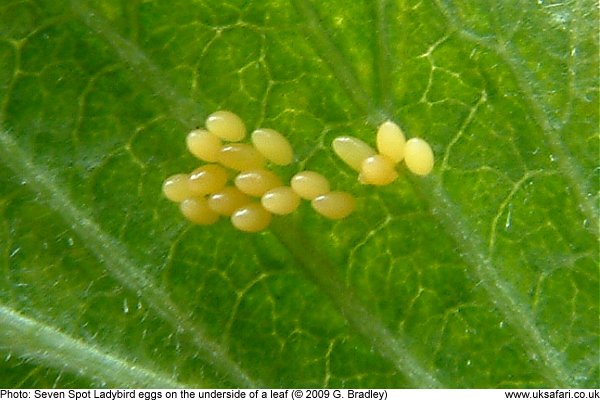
175,187
241,157
226,201
309,184
251,218
196,210
256,182
378,170
273,145
418,156
207,179
226,125
352,150
281,200
203,145
391,141
334,205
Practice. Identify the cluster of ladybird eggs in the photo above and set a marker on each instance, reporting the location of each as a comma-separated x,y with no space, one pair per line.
380,168
204,194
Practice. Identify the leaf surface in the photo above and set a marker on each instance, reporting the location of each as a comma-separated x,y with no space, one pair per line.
483,274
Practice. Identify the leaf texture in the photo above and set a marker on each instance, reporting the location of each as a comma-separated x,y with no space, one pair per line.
483,274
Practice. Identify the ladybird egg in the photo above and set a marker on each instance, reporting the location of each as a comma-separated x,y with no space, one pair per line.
203,145
226,125
378,170
334,205
241,157
391,141
273,145
251,218
226,201
207,179
196,210
256,182
352,150
175,188
418,156
309,184
281,200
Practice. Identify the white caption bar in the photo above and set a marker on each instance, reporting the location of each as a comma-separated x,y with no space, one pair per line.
297,394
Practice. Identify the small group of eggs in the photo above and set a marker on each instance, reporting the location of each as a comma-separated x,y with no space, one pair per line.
380,168
204,195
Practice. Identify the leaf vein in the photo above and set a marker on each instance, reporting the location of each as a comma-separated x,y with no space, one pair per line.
333,57
40,342
318,268
501,293
182,108
114,256
382,59
570,168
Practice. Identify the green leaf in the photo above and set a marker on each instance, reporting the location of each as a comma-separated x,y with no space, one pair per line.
483,274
